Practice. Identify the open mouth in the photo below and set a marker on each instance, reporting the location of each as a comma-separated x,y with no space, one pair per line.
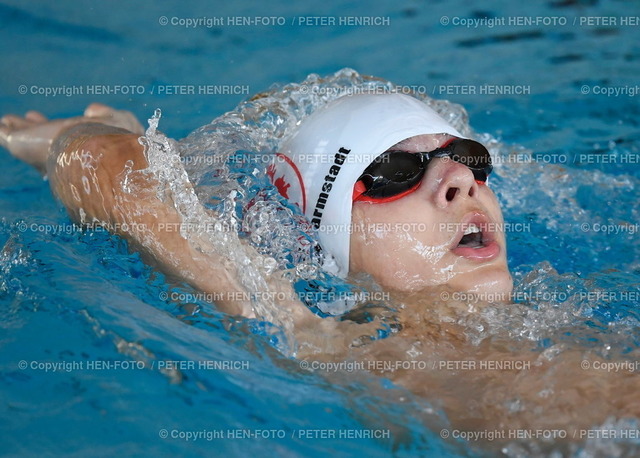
475,238
472,237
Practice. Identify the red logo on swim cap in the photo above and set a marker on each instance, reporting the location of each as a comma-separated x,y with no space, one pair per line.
279,182
288,181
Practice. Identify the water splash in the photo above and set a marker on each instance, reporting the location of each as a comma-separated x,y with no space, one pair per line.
233,151
217,175
166,166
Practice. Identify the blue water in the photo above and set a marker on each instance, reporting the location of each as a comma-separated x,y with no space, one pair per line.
82,297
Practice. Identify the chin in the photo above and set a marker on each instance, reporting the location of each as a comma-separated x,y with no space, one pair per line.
493,282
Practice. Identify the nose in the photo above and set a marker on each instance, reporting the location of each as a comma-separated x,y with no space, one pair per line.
454,182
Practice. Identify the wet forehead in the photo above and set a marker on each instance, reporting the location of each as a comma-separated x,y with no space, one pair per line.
421,143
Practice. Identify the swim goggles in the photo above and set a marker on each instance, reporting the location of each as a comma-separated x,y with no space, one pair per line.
394,174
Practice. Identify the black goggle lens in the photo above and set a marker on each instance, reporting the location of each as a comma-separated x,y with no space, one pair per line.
394,172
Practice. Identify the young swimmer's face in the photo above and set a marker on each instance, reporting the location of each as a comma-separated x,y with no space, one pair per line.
416,241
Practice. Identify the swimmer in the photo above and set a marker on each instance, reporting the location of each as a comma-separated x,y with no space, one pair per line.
455,240
381,160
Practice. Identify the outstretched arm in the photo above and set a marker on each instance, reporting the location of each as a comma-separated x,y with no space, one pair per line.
88,161
84,159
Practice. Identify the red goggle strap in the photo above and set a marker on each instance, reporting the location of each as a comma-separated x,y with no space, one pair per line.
359,189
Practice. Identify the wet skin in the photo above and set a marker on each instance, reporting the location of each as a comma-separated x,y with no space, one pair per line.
416,242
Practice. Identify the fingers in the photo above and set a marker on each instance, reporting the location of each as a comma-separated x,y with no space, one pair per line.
98,110
20,135
118,118
4,135
35,116
11,121
14,122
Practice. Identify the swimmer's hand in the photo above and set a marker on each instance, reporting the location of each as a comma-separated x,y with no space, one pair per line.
28,138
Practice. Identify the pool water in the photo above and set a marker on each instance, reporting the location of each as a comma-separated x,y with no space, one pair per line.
79,297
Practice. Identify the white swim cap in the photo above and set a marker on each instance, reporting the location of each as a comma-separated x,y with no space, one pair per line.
317,168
